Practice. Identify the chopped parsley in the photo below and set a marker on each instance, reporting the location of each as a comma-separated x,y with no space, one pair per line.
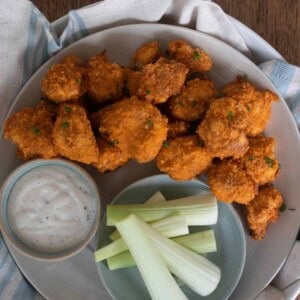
197,55
149,124
115,142
36,130
67,109
230,116
282,207
148,92
269,161
251,157
166,144
248,107
64,125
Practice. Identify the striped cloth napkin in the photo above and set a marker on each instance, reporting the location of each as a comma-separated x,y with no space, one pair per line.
28,40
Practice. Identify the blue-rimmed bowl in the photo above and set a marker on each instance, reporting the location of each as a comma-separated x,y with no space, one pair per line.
8,186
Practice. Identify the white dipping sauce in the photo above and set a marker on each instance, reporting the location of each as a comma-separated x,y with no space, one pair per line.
50,209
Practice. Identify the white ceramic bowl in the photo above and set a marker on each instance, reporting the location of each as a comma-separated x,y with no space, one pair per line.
6,227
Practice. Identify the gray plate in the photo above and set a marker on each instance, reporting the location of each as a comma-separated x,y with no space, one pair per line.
263,259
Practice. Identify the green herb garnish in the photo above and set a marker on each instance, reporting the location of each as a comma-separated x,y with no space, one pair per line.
65,125
67,109
36,130
148,92
197,55
78,80
269,161
245,77
149,124
251,157
166,144
248,107
230,116
115,142
282,207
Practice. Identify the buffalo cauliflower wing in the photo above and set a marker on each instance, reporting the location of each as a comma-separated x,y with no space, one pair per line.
73,136
194,58
263,210
183,158
230,182
31,130
65,81
136,127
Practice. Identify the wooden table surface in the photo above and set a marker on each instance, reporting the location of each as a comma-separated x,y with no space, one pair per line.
277,21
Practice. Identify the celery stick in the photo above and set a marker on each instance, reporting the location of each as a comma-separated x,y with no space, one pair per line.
194,270
120,261
155,198
172,226
157,278
198,210
199,242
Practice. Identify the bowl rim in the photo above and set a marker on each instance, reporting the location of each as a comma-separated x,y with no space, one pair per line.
17,243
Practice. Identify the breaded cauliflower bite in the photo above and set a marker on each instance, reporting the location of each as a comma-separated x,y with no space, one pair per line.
258,104
136,127
157,82
183,158
194,58
110,157
230,182
65,81
222,129
73,136
31,130
263,210
260,160
193,101
177,128
105,79
147,53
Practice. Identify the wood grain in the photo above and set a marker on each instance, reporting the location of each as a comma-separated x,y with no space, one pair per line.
277,21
